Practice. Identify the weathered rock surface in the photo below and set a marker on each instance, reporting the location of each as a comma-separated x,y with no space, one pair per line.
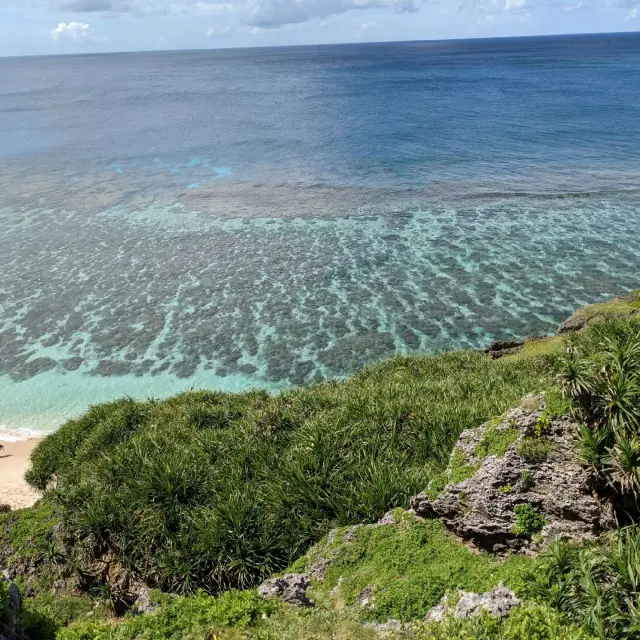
290,588
480,509
390,627
498,603
144,603
11,629
501,348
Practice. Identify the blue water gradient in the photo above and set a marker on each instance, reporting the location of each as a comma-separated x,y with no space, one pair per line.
235,219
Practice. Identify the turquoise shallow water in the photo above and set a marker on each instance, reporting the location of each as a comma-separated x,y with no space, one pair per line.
226,221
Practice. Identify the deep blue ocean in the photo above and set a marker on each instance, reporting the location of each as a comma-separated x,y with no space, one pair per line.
273,217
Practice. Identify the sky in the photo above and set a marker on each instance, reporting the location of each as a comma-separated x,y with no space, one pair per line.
36,27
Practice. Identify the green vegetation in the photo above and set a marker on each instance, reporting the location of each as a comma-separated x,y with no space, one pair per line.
526,480
4,604
194,618
616,308
206,493
496,441
601,374
535,449
407,568
226,489
598,587
528,520
531,622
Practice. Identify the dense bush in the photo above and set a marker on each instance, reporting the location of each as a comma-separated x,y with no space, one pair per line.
597,586
211,490
601,373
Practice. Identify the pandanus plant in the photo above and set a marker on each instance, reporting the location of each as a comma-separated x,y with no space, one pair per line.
600,372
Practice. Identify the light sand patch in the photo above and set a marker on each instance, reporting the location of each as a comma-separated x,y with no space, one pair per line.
14,462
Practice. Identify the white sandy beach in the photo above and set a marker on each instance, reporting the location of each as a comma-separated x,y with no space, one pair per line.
14,461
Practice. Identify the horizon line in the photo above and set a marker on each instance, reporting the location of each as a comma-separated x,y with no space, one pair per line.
321,44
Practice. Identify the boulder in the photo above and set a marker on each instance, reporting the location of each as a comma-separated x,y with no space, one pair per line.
290,588
498,603
560,493
501,348
144,603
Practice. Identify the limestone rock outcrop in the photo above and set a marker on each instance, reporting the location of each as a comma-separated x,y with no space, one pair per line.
536,466
290,588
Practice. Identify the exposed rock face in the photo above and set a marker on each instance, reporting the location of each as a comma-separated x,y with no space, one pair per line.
501,348
11,630
480,509
143,603
498,603
290,588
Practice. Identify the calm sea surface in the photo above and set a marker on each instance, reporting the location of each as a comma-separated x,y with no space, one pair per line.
272,217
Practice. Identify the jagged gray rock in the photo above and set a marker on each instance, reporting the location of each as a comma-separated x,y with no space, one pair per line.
290,588
143,603
11,629
367,597
390,627
480,509
498,603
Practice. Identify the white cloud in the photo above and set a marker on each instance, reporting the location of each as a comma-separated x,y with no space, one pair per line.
255,13
514,5
219,33
633,14
578,6
73,31
275,13
367,26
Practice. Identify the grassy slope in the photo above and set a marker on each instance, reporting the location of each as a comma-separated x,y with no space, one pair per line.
244,484
228,488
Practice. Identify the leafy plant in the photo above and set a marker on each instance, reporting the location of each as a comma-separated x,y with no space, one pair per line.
598,587
531,622
534,449
528,520
526,480
496,441
600,372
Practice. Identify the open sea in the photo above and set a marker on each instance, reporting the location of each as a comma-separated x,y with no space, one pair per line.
272,217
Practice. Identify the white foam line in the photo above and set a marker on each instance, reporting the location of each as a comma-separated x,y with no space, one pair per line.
17,435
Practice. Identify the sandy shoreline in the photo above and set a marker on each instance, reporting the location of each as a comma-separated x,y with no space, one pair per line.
14,461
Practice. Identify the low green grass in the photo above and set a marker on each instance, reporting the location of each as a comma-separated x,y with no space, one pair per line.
617,307
408,567
199,617
534,449
496,442
26,534
530,622
228,488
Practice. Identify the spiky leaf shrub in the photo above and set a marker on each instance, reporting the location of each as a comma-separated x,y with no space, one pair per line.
597,586
600,372
213,490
